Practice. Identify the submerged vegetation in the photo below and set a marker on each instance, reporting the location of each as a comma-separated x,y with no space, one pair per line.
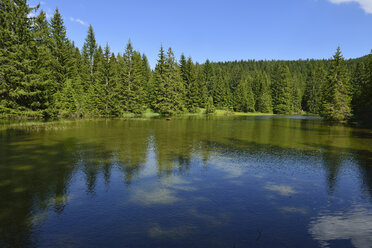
44,75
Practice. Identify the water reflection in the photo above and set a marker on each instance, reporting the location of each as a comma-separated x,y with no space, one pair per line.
354,225
211,177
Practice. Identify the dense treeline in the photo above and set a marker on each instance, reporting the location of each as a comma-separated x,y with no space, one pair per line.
43,74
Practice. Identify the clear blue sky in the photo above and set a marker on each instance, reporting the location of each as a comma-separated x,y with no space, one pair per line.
223,30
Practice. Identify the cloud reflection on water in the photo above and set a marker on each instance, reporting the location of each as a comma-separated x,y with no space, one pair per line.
355,225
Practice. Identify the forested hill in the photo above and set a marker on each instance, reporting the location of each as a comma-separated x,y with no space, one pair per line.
44,75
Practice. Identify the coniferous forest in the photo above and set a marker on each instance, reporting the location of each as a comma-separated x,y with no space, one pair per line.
44,75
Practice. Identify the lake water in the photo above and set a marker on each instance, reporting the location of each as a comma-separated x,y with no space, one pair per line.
188,182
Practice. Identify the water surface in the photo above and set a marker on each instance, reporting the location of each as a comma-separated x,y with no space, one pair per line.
188,182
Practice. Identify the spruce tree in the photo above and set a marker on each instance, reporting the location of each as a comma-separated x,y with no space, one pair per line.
111,77
244,98
147,74
89,50
207,76
312,98
188,75
18,59
202,86
42,80
263,97
132,81
336,95
220,90
363,96
280,89
97,89
169,87
295,95
61,51
209,108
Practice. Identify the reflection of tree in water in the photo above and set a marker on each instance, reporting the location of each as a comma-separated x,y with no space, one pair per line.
364,159
36,168
173,146
332,161
33,177
131,155
95,159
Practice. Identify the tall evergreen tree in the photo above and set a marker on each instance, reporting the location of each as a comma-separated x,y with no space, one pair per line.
89,50
147,74
61,51
244,98
132,81
202,86
97,89
169,87
188,75
263,96
220,90
111,77
209,108
280,89
18,58
362,105
312,99
296,95
336,95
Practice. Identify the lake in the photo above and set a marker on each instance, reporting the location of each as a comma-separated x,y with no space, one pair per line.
270,181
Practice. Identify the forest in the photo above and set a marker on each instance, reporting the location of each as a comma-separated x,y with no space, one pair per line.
44,75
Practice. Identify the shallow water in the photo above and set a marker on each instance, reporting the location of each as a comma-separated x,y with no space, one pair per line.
188,182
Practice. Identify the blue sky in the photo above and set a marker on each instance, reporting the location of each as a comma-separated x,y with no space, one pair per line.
223,30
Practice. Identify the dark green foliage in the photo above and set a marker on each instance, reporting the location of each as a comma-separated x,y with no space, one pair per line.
280,89
202,87
311,102
43,74
188,76
90,48
169,88
362,100
244,98
132,83
20,87
336,95
209,108
263,93
220,90
61,51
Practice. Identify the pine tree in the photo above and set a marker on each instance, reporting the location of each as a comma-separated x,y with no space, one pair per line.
97,89
147,74
207,76
89,50
244,98
336,96
168,83
263,97
363,95
295,95
209,108
312,98
220,90
42,69
110,74
188,75
61,51
280,89
132,81
202,86
18,59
